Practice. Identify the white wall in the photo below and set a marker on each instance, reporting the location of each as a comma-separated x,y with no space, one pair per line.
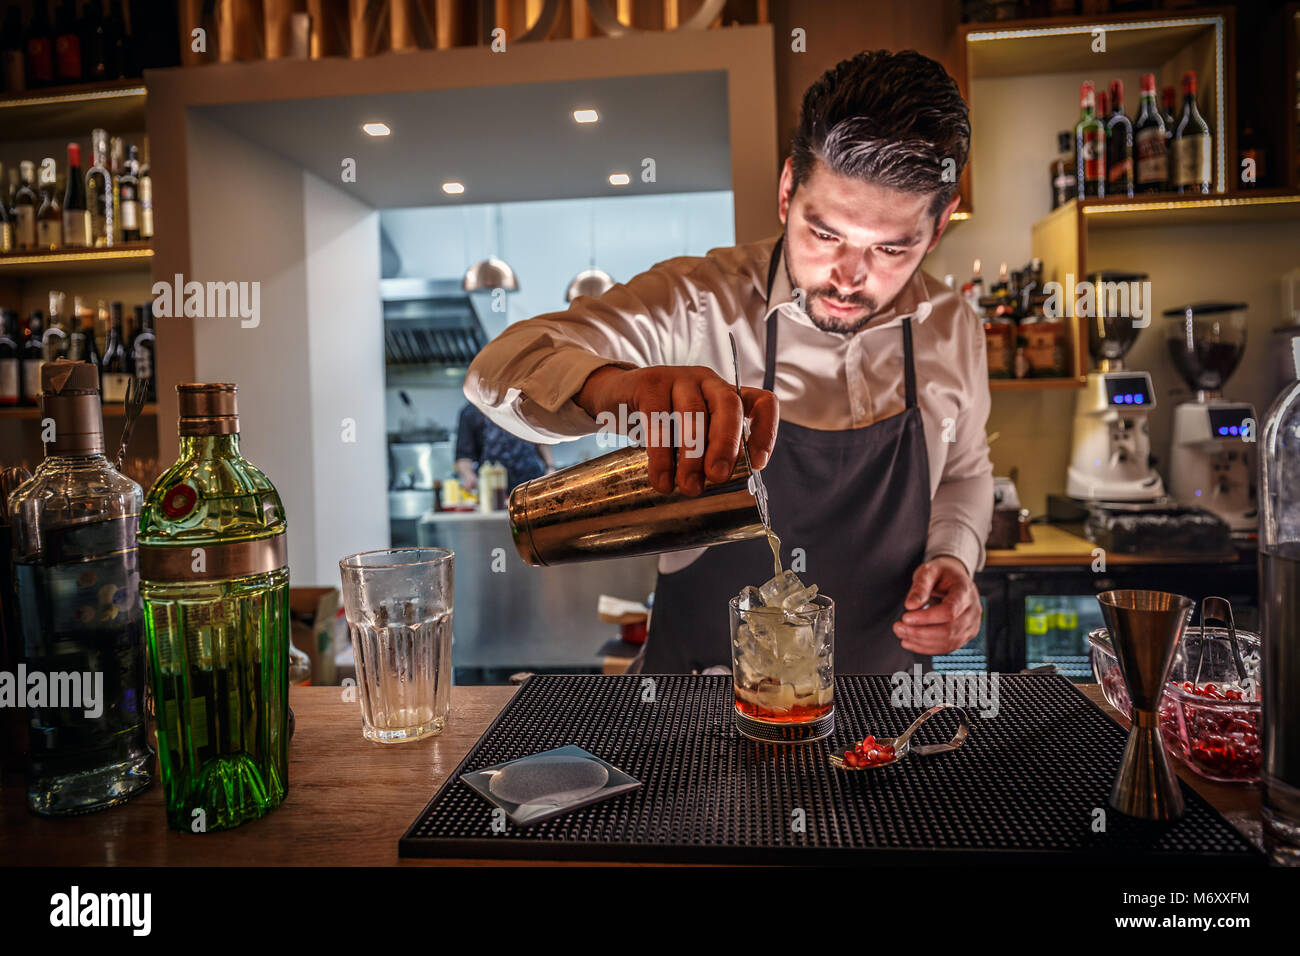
346,354
256,218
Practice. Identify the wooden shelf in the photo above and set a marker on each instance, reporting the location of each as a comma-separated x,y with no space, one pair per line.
132,257
109,411
73,110
1170,209
1032,384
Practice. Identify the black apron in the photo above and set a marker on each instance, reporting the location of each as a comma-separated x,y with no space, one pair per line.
856,502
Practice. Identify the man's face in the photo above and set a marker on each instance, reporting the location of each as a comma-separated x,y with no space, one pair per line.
852,246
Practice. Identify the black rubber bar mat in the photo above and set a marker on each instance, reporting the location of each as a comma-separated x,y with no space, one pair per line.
1026,787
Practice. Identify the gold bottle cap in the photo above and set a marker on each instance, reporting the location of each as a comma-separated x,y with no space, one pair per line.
70,396
208,408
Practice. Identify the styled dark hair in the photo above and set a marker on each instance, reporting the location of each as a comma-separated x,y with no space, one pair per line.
895,119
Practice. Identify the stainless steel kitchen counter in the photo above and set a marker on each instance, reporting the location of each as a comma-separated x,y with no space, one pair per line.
511,615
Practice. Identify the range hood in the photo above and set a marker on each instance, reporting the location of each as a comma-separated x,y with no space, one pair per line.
431,322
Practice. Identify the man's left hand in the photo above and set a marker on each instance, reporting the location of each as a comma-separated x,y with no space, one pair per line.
948,623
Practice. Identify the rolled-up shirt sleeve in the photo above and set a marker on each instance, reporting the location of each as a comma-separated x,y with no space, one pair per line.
525,378
961,511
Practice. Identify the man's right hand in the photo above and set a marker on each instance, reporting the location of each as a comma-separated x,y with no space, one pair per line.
687,389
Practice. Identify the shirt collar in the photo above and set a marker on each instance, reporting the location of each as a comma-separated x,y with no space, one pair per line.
912,302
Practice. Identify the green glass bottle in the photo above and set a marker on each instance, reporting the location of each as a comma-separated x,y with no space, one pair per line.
215,586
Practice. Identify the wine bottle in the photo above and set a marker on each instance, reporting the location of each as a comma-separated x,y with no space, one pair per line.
1149,142
76,215
54,343
222,716
99,186
1064,187
115,377
25,206
142,349
128,193
92,356
49,218
1191,144
1089,146
116,165
11,52
7,237
33,356
39,47
67,44
1119,145
146,193
11,361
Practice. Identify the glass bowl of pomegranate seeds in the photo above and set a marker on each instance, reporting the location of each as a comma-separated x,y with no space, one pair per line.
1210,720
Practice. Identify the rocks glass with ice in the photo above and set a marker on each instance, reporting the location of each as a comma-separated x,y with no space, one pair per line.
782,644
398,604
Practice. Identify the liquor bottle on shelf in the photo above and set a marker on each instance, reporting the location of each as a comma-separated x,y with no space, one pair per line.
96,43
12,61
11,360
1167,100
116,164
12,195
116,374
214,502
92,356
128,192
25,205
39,49
77,334
1089,146
76,568
76,215
1119,145
1151,171
1191,144
54,343
7,237
973,290
1064,186
99,186
33,356
146,193
49,218
67,44
1251,165
142,350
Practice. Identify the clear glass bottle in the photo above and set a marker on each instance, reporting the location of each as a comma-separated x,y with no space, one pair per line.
215,584
77,574
1279,601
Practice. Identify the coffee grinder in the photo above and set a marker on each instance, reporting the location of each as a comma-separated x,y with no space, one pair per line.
1111,459
1212,461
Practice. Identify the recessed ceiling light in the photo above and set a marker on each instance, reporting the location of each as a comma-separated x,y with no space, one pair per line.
376,129
619,179
585,116
453,189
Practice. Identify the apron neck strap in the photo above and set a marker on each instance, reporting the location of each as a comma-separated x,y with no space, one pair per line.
769,353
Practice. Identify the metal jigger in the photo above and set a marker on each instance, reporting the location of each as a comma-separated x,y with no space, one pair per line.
1144,630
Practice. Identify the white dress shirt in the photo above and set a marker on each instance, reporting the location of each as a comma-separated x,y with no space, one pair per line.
679,313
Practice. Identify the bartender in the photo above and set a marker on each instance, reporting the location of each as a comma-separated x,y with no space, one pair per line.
864,378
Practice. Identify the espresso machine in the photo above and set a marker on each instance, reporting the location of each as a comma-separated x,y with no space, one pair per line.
1212,460
1111,458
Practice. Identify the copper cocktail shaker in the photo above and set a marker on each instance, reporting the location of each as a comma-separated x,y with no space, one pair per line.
607,508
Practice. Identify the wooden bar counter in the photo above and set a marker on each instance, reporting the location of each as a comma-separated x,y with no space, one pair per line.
349,799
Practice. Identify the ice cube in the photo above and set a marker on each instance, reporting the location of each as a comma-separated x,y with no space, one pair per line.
797,600
779,588
750,598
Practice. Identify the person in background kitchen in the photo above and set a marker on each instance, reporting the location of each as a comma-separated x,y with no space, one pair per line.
479,439
878,476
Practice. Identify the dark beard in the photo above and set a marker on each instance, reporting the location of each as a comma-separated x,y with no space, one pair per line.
831,325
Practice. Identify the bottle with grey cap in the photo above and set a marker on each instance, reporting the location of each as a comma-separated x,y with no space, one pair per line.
81,674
